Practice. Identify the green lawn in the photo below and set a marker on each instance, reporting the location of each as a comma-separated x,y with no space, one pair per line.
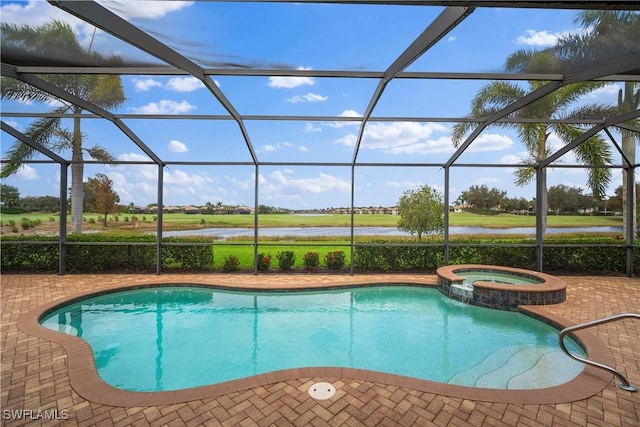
244,251
176,221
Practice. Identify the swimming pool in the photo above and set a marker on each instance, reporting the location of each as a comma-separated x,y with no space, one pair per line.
177,337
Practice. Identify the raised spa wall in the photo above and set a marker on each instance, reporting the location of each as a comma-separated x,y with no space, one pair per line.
551,290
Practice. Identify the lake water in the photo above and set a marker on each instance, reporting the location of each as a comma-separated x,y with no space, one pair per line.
225,233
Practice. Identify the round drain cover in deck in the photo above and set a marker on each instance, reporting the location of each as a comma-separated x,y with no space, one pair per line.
322,391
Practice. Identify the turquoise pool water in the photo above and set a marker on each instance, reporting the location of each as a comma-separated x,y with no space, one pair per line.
497,277
170,338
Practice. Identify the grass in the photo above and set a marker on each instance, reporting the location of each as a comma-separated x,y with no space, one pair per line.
244,251
178,221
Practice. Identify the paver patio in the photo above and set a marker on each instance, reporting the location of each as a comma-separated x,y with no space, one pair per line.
35,371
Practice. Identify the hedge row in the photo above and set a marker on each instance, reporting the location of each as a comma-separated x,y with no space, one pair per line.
138,254
597,255
130,254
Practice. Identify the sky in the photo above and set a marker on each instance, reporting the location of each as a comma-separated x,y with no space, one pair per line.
300,36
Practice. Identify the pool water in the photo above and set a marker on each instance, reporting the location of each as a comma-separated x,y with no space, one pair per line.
170,338
497,277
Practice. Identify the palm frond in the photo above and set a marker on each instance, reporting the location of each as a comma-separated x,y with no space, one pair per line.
16,90
100,153
42,132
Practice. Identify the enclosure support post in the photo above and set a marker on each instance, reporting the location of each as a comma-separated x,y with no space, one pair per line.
539,217
62,244
446,215
351,242
159,221
630,237
255,220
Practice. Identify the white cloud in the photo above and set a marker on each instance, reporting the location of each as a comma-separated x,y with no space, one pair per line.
184,84
309,97
275,147
608,93
511,159
143,85
321,184
181,177
176,146
490,142
303,149
309,127
345,113
401,138
538,38
290,82
133,157
36,13
165,107
128,9
137,183
27,173
451,39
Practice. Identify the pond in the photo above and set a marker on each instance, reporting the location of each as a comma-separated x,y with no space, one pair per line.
226,233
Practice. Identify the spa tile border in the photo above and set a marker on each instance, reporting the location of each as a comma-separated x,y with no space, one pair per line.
551,290
87,383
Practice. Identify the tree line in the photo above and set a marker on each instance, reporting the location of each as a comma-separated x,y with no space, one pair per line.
99,196
561,199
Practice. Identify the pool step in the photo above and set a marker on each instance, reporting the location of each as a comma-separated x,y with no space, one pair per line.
519,367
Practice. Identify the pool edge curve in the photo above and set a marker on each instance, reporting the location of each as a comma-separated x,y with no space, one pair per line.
85,380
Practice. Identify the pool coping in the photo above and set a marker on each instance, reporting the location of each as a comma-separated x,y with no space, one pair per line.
550,289
85,380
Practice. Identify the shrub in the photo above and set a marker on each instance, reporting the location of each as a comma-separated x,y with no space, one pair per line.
191,257
311,260
286,259
334,260
264,262
230,263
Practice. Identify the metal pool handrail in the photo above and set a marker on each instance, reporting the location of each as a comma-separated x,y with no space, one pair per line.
624,384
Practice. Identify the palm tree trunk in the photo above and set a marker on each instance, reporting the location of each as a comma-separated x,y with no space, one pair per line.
77,174
629,150
544,200
544,196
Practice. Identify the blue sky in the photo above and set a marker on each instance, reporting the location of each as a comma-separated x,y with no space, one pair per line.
305,36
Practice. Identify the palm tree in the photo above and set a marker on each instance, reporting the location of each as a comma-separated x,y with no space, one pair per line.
49,42
605,33
558,104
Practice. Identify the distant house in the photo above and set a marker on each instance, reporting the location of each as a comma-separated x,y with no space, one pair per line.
243,210
191,210
138,210
171,209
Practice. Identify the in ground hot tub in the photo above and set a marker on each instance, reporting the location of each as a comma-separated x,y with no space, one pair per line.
503,288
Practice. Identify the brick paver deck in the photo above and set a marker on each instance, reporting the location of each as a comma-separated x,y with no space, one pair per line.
35,371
